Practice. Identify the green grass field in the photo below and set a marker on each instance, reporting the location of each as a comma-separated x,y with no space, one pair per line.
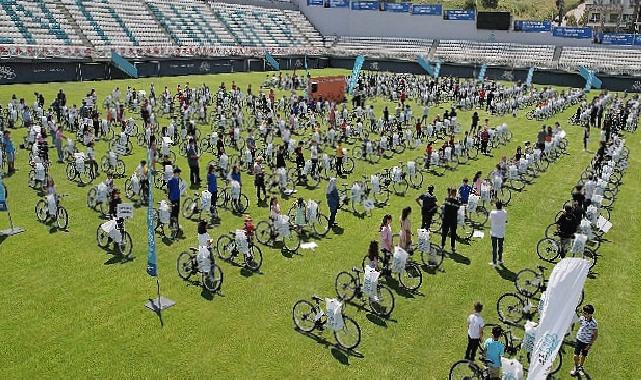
66,312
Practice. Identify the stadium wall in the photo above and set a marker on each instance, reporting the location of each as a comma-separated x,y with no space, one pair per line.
67,71
344,22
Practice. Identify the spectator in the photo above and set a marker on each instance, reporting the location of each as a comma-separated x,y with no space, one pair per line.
9,151
192,161
173,189
585,338
464,191
475,326
405,233
498,219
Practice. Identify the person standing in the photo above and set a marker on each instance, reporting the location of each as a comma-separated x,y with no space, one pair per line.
494,351
339,159
173,189
9,151
332,201
585,338
450,219
485,139
586,138
428,203
60,137
192,161
475,123
475,326
212,187
498,219
259,179
405,233
540,139
464,191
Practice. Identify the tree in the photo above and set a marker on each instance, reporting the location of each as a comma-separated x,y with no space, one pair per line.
490,4
469,5
571,21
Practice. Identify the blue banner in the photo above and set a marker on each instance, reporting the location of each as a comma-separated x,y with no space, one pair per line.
369,5
358,64
272,62
459,15
482,72
591,80
427,9
616,39
124,65
315,3
339,3
530,76
572,32
637,39
3,196
397,7
532,26
152,261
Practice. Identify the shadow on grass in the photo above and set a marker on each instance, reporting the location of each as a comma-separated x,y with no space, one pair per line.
396,286
340,354
459,259
505,273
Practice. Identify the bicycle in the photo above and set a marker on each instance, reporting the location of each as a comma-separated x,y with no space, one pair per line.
187,265
318,221
111,163
467,370
308,316
267,233
410,279
162,217
49,209
234,198
113,231
349,286
551,249
98,199
79,170
229,246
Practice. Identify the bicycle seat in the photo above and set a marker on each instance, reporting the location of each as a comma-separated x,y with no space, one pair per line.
542,268
345,184
316,298
357,270
193,249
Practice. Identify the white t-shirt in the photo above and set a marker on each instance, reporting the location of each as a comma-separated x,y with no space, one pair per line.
498,219
475,324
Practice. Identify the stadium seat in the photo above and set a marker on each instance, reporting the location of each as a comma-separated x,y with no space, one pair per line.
378,47
515,55
615,61
35,22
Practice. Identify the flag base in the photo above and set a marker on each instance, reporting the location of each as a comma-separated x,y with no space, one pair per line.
11,231
159,303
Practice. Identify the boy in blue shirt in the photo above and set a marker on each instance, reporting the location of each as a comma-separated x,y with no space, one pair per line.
173,190
464,192
494,350
9,151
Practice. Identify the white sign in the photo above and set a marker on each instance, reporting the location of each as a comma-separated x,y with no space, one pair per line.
125,210
603,224
562,297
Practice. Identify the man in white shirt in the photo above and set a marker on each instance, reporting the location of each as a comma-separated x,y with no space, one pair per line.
475,325
498,219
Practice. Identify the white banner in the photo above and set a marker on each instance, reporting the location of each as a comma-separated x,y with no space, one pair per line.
562,297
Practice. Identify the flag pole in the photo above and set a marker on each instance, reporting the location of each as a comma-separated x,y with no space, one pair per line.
152,261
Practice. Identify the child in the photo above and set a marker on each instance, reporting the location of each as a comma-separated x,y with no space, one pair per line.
585,338
9,151
249,229
372,255
475,325
494,350
300,217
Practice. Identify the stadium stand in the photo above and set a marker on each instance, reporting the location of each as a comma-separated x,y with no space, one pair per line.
608,60
190,23
495,53
116,22
35,22
404,48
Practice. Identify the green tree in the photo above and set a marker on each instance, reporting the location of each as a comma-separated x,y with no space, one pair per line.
571,21
469,4
490,4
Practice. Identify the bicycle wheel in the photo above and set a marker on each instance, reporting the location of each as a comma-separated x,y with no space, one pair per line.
70,171
400,187
510,308
120,168
212,281
504,195
590,256
255,258
349,337
321,225
62,218
185,265
345,286
189,208
550,230
32,179
263,232
433,257
85,177
41,210
411,278
381,197
416,180
473,152
348,165
465,231
102,238
291,242
527,283
517,184
358,208
548,249
479,216
465,370
303,314
383,304
241,204
225,246
126,245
